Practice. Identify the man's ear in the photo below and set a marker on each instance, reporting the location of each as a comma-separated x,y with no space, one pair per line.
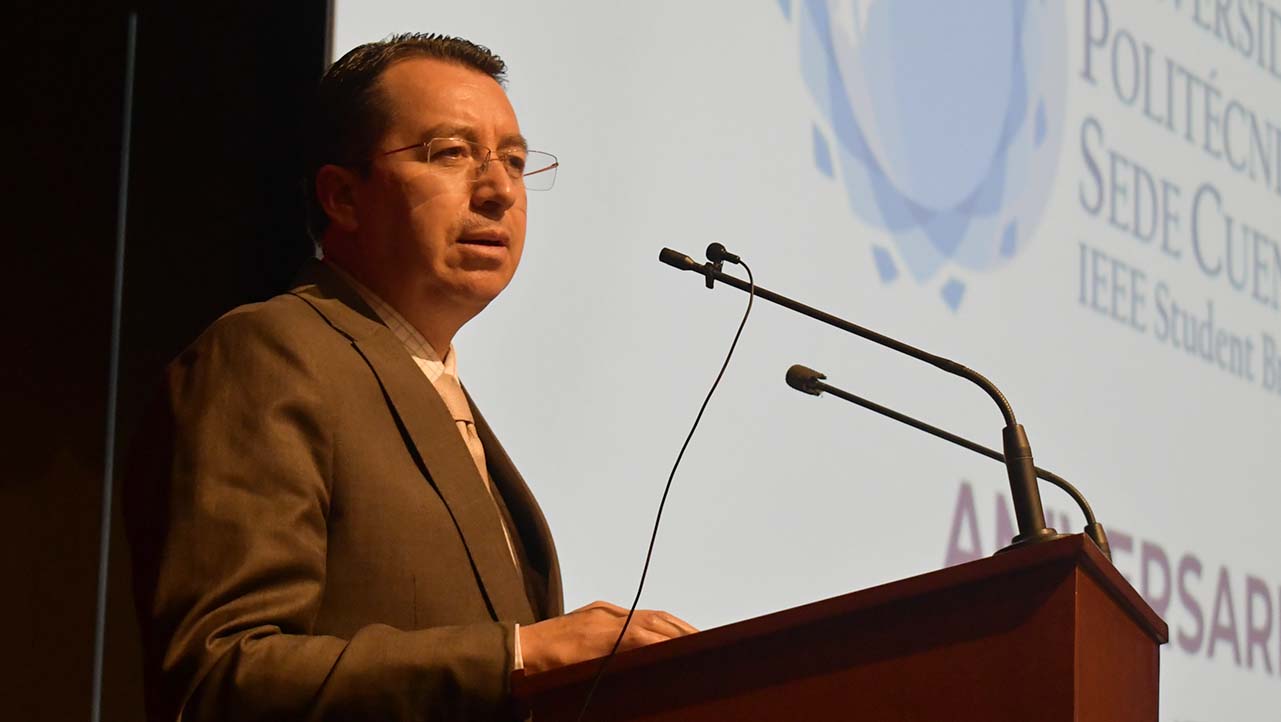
336,192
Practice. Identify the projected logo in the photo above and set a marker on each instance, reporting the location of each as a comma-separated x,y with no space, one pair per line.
945,120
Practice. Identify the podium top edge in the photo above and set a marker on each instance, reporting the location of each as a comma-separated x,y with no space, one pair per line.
1074,551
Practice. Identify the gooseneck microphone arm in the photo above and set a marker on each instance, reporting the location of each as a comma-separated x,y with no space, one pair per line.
1024,494
809,381
683,262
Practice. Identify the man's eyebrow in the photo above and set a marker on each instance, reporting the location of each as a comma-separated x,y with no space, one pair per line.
449,131
516,140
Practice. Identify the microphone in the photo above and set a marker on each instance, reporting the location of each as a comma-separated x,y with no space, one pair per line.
809,381
1020,469
679,260
716,253
717,257
805,379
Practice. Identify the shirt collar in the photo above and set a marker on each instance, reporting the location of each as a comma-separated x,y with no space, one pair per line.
431,363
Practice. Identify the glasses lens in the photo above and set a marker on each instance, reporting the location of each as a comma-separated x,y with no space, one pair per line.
540,171
452,152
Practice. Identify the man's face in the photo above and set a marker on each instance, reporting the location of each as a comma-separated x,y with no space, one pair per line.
444,239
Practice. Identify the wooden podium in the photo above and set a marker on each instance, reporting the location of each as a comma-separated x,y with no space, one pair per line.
1048,633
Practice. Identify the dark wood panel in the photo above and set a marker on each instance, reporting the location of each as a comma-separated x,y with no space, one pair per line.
1114,657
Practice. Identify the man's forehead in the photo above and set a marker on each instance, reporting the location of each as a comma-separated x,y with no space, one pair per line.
427,92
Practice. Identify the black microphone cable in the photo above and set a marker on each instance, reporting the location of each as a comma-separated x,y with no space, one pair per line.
600,672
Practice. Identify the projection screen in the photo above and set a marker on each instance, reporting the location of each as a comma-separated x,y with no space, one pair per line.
1082,200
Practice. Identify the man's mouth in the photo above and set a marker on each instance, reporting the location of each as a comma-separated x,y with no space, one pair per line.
484,239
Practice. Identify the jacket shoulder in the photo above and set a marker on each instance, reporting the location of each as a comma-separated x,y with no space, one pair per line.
283,316
282,330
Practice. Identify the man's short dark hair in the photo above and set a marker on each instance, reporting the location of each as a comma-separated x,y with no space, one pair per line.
349,113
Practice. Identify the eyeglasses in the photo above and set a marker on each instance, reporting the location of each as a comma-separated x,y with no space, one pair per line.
537,170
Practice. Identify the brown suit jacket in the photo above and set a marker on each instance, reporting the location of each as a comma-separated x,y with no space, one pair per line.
311,538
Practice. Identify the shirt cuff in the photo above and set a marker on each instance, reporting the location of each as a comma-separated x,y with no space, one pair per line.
520,660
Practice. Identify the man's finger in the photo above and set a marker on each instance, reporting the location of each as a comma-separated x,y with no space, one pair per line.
677,622
661,623
639,636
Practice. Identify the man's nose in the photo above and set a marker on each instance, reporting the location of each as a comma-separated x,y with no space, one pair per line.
494,188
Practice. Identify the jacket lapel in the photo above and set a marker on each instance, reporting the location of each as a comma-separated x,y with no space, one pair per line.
527,515
431,434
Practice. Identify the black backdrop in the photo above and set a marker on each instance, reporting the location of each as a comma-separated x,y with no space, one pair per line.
214,220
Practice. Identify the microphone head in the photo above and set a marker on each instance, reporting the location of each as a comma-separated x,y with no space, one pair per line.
676,259
804,379
717,253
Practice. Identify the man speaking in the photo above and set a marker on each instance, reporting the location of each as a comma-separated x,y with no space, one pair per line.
322,524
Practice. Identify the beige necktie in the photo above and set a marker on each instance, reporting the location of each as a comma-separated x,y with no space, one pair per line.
451,392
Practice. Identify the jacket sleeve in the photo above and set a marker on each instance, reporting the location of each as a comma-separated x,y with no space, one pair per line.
227,506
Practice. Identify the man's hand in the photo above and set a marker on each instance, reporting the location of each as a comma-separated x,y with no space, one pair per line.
590,631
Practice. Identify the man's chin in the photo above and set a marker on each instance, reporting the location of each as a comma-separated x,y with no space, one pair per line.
478,288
